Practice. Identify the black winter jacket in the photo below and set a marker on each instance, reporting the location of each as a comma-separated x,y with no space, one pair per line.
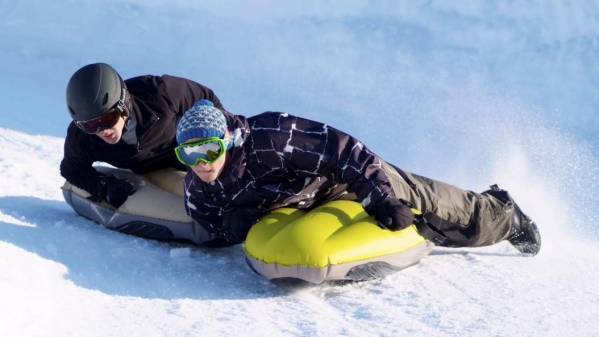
281,160
157,102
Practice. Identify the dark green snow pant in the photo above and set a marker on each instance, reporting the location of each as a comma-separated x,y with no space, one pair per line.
459,218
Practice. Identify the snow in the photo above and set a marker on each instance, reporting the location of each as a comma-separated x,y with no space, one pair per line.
469,92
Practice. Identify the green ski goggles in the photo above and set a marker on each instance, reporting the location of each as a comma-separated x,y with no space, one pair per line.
205,151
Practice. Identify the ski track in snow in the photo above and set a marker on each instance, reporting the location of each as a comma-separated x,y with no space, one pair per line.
66,276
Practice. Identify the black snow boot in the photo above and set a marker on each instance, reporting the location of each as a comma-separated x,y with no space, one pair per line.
523,234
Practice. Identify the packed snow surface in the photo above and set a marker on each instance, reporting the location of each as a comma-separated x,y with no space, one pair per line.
468,92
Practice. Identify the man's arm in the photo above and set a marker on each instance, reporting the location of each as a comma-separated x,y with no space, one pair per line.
76,166
311,148
222,229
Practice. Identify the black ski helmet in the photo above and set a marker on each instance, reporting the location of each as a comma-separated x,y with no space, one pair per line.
93,90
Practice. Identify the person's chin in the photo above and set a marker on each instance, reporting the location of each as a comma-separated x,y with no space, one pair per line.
112,139
206,177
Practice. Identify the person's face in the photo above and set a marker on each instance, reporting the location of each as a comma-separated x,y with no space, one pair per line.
113,135
210,172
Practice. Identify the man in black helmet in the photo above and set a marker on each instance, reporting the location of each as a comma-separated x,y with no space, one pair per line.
128,124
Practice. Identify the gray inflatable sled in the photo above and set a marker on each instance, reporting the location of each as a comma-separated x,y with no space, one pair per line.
155,210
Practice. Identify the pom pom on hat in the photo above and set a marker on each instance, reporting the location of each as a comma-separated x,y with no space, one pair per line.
202,120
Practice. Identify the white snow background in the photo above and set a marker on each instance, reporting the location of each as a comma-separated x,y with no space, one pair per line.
468,92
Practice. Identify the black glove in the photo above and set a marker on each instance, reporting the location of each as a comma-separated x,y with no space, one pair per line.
115,191
238,222
394,214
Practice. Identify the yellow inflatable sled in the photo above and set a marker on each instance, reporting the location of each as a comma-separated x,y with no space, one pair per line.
337,241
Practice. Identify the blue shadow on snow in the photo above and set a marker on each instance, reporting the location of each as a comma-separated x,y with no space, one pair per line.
119,264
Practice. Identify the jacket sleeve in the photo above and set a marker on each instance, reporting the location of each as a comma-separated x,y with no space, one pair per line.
205,214
76,165
183,93
311,148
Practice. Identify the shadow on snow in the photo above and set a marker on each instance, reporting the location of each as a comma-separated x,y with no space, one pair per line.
119,264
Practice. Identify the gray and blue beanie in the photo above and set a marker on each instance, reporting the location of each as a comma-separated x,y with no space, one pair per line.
202,120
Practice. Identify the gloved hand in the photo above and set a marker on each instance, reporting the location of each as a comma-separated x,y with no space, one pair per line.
394,214
238,222
115,191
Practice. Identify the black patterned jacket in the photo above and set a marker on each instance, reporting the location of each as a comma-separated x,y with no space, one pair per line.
281,160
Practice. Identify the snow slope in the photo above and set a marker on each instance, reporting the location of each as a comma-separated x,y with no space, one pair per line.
471,92
65,276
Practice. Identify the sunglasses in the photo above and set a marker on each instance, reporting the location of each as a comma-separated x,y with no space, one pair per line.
107,120
205,151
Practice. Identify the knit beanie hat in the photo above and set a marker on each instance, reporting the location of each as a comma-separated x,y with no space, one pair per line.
202,120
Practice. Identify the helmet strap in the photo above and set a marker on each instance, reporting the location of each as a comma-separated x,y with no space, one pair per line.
124,103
